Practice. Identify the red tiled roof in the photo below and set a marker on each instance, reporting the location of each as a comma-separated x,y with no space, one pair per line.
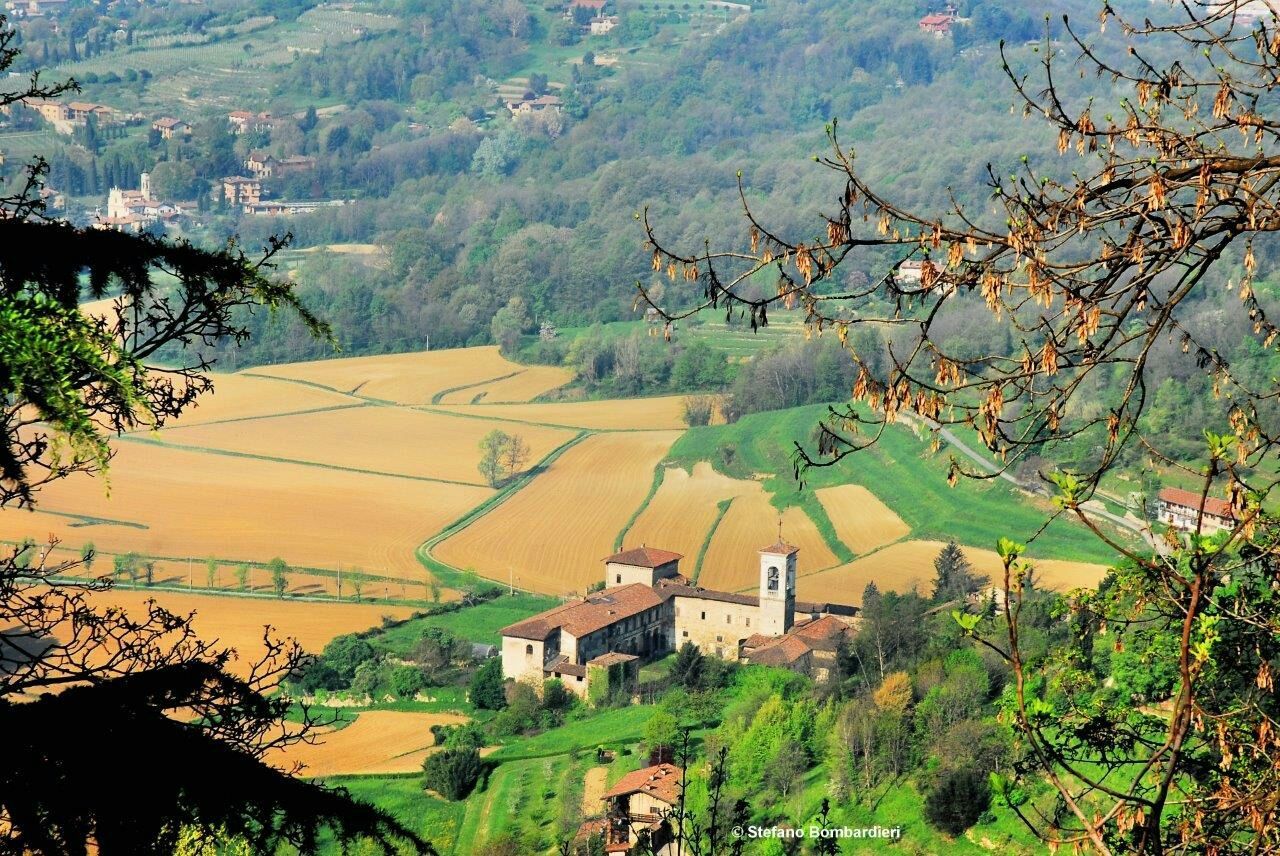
612,658
935,20
588,615
661,782
825,627
1187,499
645,557
780,547
564,667
784,652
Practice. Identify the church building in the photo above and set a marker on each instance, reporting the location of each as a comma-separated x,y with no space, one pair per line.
648,609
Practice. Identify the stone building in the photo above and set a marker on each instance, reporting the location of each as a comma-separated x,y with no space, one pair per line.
649,609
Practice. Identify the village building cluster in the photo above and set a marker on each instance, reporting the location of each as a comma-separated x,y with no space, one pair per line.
594,645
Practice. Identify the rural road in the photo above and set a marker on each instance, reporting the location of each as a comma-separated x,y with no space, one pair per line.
1092,508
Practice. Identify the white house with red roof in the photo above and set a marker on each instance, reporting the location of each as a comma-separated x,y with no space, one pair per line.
1181,509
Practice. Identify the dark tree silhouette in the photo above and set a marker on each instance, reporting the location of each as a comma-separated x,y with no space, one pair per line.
125,732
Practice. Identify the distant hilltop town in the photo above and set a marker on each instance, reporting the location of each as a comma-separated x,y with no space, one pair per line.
594,645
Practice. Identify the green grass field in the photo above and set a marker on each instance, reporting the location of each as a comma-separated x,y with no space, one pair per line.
479,623
901,471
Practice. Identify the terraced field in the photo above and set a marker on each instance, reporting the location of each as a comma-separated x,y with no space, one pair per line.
860,519
379,741
632,414
175,503
732,561
551,535
238,622
390,440
909,565
415,378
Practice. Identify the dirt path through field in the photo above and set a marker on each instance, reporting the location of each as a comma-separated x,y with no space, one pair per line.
592,789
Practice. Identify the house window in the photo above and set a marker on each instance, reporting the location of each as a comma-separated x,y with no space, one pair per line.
719,639
748,622
528,650
578,678
704,616
685,634
619,579
773,579
728,619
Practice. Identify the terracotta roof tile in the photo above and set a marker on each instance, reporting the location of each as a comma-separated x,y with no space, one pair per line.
826,627
786,651
594,612
781,548
662,782
645,557
1187,499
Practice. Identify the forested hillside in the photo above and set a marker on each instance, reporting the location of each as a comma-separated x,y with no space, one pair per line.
402,108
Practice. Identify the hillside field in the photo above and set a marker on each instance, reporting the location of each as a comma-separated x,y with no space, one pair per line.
552,534
416,378
379,741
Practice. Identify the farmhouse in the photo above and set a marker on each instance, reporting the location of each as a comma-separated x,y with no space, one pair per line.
602,25
170,127
535,105
938,23
1180,509
243,121
641,800
79,112
648,608
263,165
260,164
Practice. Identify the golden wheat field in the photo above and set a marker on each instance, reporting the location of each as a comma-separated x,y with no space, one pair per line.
379,741
622,414
379,439
170,502
860,519
909,565
238,622
553,533
301,582
238,396
403,378
682,511
523,386
733,559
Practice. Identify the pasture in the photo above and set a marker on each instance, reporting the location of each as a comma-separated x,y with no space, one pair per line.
551,535
388,440
413,378
908,565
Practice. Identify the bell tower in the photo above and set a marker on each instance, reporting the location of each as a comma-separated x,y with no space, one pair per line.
777,588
